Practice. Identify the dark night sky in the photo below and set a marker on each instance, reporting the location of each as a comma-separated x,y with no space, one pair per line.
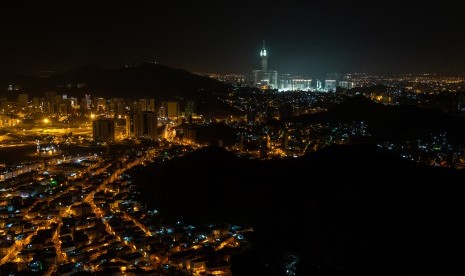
306,37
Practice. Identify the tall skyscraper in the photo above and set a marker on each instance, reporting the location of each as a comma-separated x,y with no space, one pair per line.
170,110
131,125
151,105
142,125
103,130
101,104
147,127
189,110
142,105
36,102
173,110
264,56
22,100
264,78
86,102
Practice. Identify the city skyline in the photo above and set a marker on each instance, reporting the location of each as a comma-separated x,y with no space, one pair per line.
303,38
231,138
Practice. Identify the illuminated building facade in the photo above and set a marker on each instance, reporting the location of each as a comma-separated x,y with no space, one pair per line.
142,125
146,105
330,85
170,110
346,84
294,83
264,78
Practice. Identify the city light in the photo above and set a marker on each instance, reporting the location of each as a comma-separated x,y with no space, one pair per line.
333,147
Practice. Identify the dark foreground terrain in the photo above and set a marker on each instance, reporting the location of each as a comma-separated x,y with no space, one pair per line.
342,209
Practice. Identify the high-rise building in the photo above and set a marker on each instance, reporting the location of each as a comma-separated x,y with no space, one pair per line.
346,84
101,104
86,102
146,105
131,125
170,110
151,105
264,56
36,102
103,130
285,82
74,102
142,105
264,78
147,127
116,108
64,107
330,85
173,110
142,125
189,110
163,112
22,100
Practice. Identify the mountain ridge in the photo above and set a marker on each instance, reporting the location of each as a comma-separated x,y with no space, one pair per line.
147,80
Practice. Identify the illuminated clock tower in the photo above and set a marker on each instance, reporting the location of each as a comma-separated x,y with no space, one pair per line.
264,78
264,56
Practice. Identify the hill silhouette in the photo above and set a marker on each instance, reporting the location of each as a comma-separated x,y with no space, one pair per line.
345,208
147,80
392,122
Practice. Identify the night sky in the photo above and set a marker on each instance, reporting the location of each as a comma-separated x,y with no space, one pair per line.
303,37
